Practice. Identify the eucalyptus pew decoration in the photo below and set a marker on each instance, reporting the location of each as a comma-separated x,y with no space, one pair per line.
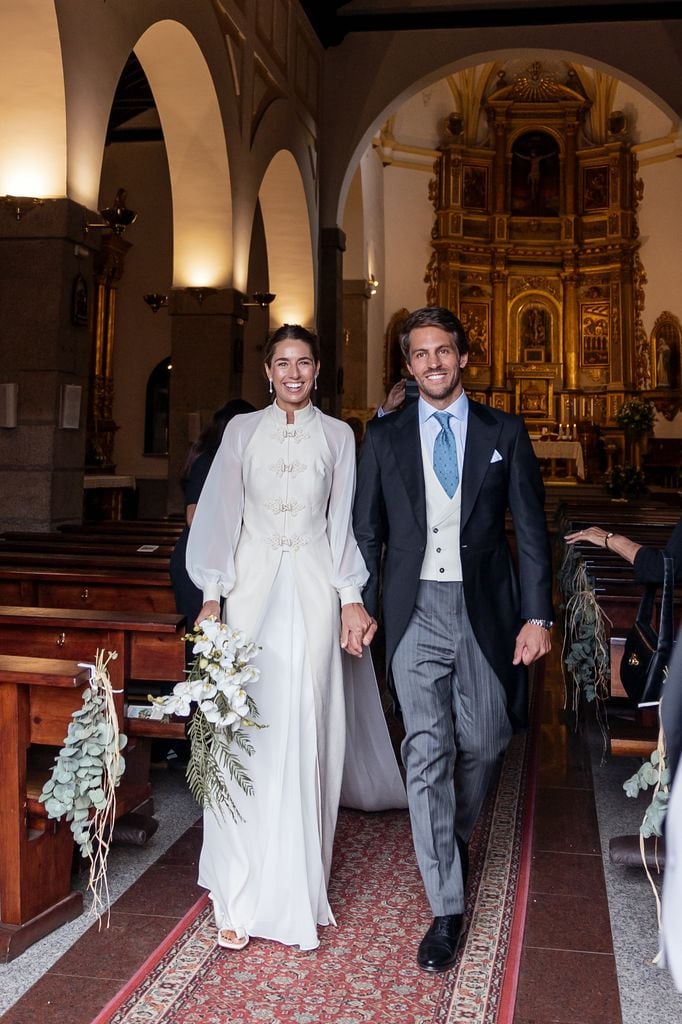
655,773
585,654
87,770
215,691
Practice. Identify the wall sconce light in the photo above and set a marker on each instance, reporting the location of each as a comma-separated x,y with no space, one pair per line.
69,406
117,217
19,205
155,300
262,299
372,285
200,292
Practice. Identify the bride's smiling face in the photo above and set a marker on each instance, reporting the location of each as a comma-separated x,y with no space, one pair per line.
292,371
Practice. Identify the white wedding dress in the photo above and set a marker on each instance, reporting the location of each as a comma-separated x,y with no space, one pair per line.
272,534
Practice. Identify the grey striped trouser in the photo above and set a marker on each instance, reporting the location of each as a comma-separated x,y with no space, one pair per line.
456,727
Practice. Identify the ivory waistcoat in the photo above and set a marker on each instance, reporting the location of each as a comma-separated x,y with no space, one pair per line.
442,559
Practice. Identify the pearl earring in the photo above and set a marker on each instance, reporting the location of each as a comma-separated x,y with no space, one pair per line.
270,385
315,384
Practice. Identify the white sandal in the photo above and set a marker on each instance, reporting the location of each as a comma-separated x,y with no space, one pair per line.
238,942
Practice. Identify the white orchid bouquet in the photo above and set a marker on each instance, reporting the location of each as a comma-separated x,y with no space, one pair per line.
215,691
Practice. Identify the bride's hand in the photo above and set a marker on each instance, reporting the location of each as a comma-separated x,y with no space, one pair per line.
208,609
357,628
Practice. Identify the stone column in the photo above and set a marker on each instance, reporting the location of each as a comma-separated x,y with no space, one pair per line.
45,346
330,319
206,340
355,299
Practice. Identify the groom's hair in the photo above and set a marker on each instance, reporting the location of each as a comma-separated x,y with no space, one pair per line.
433,316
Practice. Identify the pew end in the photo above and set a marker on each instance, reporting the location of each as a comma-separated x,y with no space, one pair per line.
37,699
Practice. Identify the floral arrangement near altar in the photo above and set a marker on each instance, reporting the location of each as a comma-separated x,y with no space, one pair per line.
214,693
626,482
636,417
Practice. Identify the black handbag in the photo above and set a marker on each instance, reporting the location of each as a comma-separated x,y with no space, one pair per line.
646,653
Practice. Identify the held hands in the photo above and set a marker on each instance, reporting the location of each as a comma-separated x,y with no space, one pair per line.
533,642
357,628
207,609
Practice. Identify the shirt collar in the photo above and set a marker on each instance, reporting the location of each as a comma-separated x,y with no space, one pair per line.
459,408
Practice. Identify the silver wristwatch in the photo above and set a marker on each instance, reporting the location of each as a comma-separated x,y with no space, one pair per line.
545,623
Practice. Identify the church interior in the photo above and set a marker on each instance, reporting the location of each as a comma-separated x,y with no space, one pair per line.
177,180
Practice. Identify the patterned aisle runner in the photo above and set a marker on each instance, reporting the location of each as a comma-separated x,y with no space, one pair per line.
364,971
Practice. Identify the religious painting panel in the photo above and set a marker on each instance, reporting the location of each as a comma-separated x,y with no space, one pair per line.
595,318
475,317
475,188
665,352
535,330
535,181
595,188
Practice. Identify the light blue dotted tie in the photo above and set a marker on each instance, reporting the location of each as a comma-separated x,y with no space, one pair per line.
445,455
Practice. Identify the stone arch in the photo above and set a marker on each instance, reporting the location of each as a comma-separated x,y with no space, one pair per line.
196,147
288,238
32,102
397,71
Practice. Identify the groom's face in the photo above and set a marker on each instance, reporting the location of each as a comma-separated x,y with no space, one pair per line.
436,365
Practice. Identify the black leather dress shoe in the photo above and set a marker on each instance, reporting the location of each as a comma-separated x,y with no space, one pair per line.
438,949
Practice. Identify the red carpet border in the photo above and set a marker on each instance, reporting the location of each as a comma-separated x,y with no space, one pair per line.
364,971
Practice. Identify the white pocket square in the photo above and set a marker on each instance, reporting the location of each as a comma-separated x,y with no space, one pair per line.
496,456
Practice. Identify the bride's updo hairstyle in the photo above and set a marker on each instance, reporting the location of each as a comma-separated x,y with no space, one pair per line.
291,332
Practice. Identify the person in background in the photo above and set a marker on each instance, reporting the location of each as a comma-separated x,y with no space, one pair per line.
647,561
671,900
394,399
272,536
435,480
188,598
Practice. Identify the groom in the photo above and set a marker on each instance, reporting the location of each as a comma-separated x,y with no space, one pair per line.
434,483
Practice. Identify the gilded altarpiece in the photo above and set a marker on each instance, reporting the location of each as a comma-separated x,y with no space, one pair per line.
535,247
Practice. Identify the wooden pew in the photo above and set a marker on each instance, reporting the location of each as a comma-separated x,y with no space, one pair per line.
75,545
64,560
151,651
150,647
87,587
37,699
167,529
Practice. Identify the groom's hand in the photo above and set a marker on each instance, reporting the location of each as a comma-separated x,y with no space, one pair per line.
533,642
357,628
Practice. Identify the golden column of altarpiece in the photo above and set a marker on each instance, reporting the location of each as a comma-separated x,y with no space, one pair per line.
535,247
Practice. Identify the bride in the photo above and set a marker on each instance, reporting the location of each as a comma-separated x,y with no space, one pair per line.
272,535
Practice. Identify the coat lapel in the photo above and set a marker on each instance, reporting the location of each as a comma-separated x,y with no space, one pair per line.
483,431
406,444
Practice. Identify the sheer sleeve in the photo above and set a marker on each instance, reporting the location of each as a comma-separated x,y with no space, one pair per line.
348,566
217,521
